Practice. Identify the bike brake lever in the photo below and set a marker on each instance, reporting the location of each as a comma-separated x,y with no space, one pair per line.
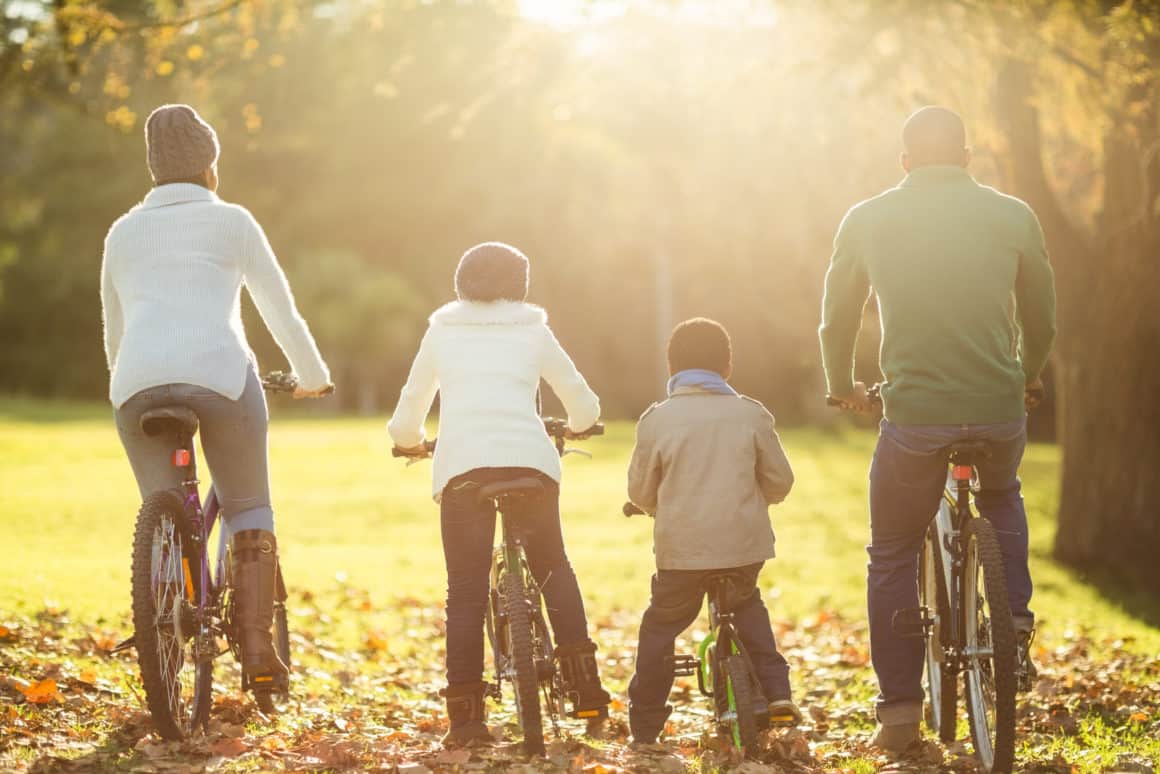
581,452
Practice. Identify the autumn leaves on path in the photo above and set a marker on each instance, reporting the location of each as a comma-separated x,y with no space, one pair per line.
365,698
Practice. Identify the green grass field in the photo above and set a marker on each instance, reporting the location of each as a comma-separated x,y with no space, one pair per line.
352,517
345,507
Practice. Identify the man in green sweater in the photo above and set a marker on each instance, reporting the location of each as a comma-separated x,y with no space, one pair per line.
967,304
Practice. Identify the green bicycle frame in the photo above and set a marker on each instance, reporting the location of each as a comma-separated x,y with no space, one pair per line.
707,678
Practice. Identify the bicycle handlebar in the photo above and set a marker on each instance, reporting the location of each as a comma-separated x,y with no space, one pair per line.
557,429
630,509
1033,395
279,381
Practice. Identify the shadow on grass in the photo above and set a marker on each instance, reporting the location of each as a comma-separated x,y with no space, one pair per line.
1140,603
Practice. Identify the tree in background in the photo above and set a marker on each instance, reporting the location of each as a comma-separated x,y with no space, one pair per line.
1063,99
665,162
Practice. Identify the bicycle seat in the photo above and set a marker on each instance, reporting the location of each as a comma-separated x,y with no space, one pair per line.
512,487
969,452
166,420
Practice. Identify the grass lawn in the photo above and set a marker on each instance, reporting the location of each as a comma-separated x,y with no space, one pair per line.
347,511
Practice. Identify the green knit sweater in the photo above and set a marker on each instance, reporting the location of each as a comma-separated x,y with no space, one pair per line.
965,295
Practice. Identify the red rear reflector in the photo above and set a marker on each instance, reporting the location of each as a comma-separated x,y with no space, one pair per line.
961,473
181,458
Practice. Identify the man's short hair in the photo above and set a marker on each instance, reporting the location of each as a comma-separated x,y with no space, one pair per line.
700,343
934,135
492,271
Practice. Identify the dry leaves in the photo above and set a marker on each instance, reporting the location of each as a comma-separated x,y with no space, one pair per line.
64,702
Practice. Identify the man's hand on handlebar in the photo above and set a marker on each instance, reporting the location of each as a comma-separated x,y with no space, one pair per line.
1033,393
857,400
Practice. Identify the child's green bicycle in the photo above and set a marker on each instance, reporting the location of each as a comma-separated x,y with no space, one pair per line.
725,672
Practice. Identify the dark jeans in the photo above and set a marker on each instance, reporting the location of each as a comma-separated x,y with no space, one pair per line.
906,482
674,605
468,538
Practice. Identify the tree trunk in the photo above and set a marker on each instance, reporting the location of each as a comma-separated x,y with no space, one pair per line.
1107,371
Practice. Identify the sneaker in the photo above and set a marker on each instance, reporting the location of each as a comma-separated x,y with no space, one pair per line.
1025,671
896,738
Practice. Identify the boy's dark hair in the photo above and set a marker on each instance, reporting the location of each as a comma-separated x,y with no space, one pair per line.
700,343
492,271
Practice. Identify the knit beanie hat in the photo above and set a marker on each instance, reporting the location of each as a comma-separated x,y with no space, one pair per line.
179,144
492,271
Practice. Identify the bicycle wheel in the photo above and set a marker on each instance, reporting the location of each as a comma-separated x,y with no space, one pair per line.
267,700
739,690
526,682
177,688
941,681
989,648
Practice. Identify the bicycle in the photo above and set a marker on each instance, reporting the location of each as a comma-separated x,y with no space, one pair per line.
181,609
521,642
964,615
740,710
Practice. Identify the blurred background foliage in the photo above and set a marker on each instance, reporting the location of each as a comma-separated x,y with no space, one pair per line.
656,160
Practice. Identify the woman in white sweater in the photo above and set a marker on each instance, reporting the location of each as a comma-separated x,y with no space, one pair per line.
171,280
485,354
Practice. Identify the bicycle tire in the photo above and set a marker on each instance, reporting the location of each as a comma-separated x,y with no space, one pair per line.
176,705
740,693
941,681
994,749
526,682
267,700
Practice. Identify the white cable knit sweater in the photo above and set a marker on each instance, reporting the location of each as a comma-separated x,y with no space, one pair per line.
486,360
171,285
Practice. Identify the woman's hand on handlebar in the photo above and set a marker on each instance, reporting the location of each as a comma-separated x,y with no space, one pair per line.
422,450
596,429
858,400
321,392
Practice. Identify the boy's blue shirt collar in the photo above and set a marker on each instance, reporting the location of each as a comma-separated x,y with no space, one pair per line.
708,381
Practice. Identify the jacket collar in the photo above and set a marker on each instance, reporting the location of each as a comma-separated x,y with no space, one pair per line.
936,174
177,193
493,313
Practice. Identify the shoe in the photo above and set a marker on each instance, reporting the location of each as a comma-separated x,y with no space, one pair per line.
254,569
646,730
896,738
466,714
581,679
783,712
1025,672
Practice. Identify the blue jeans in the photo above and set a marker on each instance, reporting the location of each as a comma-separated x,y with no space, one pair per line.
468,537
675,603
906,481
233,435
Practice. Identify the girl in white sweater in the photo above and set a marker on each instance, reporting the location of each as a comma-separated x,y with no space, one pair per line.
485,354
171,280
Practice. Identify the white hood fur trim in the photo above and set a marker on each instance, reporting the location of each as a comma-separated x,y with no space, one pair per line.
493,313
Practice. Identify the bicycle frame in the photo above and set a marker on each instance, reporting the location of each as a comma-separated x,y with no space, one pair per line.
949,521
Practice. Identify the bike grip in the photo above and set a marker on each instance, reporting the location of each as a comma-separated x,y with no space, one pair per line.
631,510
397,452
832,401
328,389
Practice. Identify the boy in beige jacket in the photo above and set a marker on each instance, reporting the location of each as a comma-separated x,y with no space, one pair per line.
707,465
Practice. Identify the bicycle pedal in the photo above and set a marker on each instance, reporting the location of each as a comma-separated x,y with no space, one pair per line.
685,665
589,714
912,622
123,645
